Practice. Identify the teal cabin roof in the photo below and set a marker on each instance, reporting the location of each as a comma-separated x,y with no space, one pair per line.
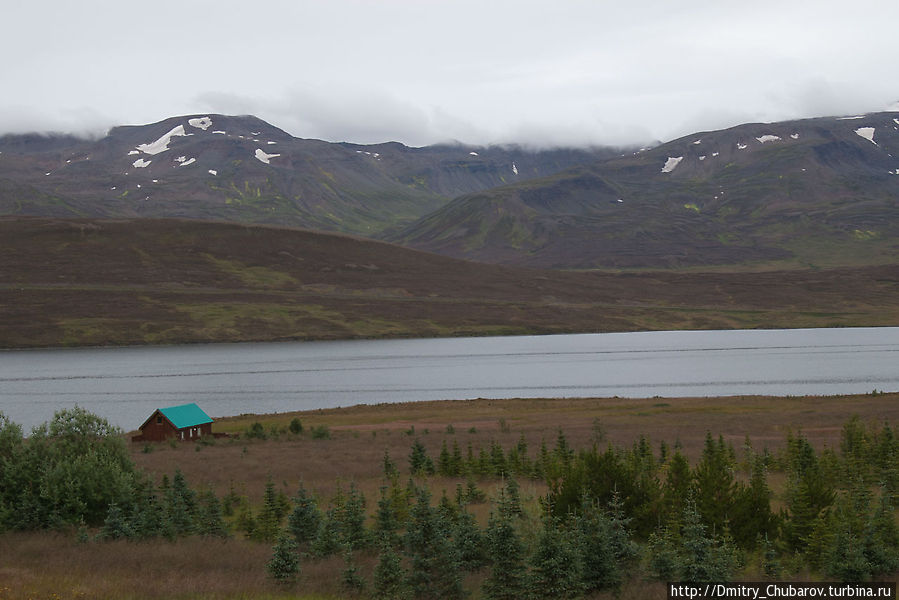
186,415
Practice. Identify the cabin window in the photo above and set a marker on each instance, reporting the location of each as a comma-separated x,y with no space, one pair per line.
159,420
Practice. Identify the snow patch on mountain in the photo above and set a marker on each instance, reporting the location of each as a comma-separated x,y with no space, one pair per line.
850,118
473,153
514,168
794,136
671,164
141,163
263,157
867,133
741,146
162,144
213,172
768,138
203,123
220,132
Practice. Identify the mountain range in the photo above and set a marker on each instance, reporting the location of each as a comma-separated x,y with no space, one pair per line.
807,193
240,168
800,193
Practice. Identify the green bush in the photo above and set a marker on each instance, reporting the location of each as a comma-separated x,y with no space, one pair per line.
256,431
321,432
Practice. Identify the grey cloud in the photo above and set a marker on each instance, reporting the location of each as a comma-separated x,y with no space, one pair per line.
82,121
524,71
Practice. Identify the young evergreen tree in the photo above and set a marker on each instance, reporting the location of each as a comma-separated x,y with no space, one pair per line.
498,463
148,517
752,514
623,546
472,494
556,568
116,526
513,496
882,537
350,516
389,577
469,542
434,572
419,461
401,498
351,578
676,489
246,521
181,505
715,488
506,554
845,557
444,462
268,524
387,525
456,461
706,556
563,453
770,562
210,522
284,565
447,513
305,518
389,466
809,494
664,555
887,462
600,566
327,540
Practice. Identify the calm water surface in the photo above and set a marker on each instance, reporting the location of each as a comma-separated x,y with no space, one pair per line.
126,384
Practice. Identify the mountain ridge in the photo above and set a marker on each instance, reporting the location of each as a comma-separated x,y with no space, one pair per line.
246,170
754,193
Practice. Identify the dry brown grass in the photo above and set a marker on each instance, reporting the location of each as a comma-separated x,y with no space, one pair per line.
46,565
42,565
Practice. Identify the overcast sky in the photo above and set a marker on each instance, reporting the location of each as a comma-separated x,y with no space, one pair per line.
423,71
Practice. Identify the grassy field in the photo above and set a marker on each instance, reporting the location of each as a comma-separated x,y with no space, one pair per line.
47,565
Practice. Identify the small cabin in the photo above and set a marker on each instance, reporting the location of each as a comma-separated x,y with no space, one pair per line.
186,422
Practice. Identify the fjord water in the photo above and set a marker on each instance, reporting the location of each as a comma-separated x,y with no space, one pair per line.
124,385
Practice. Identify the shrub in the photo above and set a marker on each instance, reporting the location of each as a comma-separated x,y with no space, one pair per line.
321,432
256,430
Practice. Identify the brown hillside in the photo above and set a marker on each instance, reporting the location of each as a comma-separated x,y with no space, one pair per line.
86,281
